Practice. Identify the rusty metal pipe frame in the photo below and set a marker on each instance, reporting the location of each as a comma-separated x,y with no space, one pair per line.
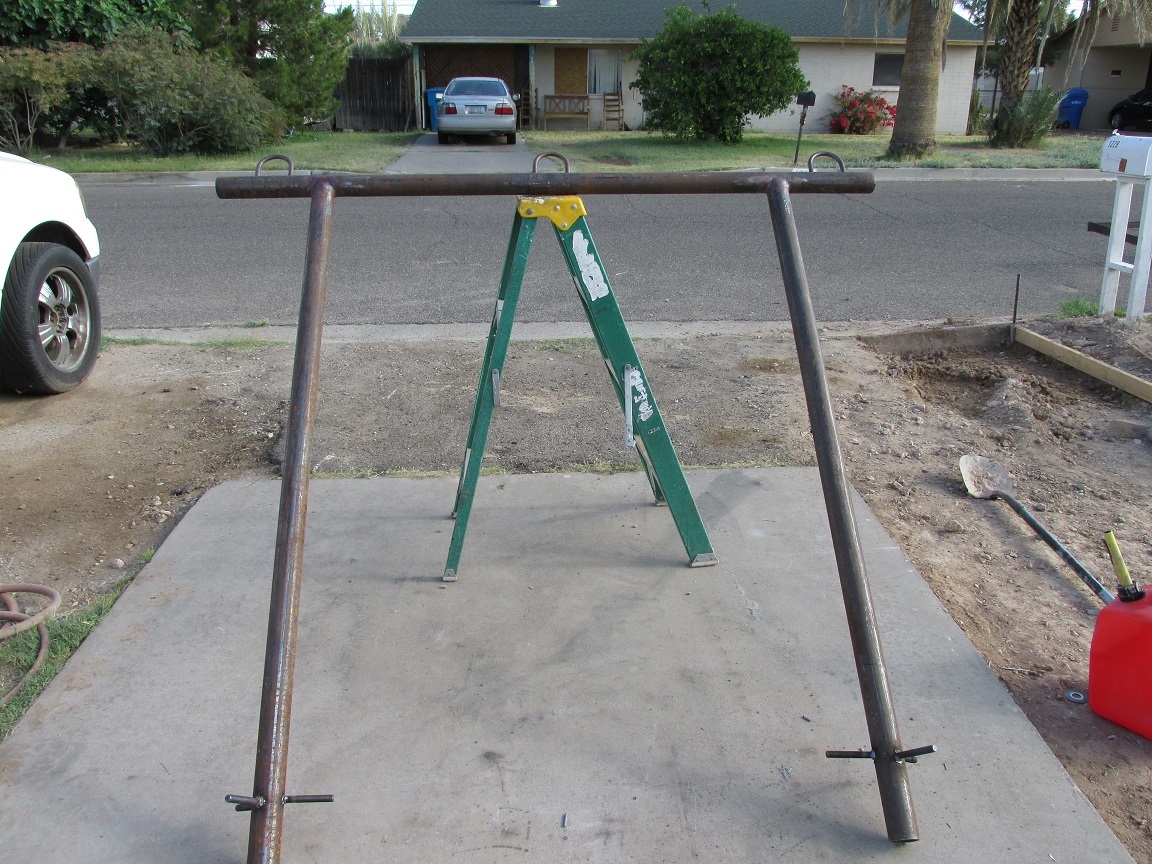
879,711
268,785
543,185
275,707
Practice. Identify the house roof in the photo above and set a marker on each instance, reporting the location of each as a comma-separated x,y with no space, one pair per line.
633,20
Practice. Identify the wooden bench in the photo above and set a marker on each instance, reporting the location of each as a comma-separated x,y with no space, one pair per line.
566,107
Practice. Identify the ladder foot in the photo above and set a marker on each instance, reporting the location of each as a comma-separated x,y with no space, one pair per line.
449,576
705,559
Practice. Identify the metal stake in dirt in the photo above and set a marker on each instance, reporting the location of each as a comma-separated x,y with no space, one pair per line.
268,797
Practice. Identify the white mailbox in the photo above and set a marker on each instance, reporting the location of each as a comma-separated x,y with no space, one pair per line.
1128,160
1127,155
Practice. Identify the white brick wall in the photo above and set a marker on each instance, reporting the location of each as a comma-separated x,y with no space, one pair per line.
827,66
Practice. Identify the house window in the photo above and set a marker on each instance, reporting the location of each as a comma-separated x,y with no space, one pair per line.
571,70
603,70
886,72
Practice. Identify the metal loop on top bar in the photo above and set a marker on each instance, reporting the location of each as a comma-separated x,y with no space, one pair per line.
830,155
560,156
279,156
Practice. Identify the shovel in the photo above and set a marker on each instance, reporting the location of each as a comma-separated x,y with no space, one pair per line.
987,479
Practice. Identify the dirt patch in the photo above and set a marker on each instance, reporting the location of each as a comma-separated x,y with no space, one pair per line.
94,478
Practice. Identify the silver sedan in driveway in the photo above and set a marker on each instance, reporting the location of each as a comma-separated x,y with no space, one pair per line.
476,106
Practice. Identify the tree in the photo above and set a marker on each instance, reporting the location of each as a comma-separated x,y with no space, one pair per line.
377,33
1139,12
1021,36
36,23
294,51
988,15
914,133
172,98
1026,27
32,84
702,75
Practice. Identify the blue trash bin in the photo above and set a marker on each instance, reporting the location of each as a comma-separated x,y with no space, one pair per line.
1072,108
432,93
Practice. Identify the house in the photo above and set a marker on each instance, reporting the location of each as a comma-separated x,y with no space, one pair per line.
583,48
1116,66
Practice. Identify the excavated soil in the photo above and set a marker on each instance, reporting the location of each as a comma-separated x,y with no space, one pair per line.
94,479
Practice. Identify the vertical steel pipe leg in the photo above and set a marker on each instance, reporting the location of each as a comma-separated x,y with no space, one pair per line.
280,657
891,774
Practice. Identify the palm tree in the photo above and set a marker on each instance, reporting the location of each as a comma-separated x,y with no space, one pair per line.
914,133
1028,23
1021,34
1139,12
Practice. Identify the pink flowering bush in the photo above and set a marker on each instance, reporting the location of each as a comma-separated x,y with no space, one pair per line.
860,112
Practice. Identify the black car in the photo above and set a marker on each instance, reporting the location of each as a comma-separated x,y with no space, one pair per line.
1133,112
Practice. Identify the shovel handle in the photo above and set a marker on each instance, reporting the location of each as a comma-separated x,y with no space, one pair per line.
1081,571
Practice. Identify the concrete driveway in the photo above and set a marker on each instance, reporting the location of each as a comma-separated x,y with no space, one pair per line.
464,156
580,694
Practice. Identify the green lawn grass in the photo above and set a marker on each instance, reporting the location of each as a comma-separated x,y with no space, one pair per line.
372,152
651,151
361,152
66,631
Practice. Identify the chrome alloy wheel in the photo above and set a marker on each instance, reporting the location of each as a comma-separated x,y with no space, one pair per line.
65,318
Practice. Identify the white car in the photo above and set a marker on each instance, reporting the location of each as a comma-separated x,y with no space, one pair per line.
49,309
476,106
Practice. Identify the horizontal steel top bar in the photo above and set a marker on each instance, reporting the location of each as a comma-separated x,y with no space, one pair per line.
545,184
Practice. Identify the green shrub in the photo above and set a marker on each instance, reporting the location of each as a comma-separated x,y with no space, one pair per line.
40,23
33,84
977,116
1027,123
172,99
702,75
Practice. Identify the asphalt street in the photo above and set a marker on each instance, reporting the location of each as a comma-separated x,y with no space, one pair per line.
174,255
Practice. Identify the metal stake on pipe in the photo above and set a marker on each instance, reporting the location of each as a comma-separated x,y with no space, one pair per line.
879,711
268,787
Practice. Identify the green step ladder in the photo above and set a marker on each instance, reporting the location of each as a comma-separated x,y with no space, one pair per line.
644,428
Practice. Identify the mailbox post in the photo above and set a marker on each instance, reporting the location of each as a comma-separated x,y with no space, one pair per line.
805,100
1129,160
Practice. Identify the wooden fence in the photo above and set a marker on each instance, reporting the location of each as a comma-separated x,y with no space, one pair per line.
376,95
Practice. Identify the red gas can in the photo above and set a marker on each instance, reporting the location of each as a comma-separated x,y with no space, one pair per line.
1120,665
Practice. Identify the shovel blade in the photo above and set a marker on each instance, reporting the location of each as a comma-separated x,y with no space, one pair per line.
985,478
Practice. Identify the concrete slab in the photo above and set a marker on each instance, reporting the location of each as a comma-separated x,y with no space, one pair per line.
580,694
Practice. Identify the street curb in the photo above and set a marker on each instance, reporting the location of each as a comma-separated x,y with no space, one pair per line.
887,335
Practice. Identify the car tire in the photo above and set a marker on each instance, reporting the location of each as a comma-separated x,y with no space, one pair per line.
48,290
511,137
442,138
1116,121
